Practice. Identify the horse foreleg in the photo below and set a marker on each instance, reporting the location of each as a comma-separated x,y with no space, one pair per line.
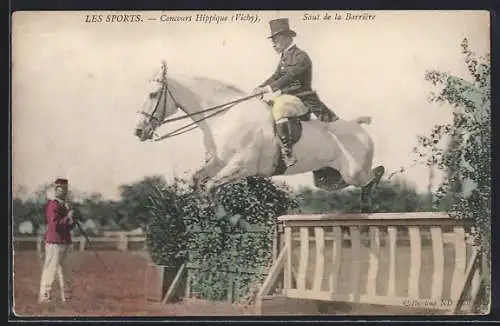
230,172
367,190
207,171
366,199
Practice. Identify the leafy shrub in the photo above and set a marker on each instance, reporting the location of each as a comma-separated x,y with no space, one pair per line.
166,231
225,253
462,149
186,225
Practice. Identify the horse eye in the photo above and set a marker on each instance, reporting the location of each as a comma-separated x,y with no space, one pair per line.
153,95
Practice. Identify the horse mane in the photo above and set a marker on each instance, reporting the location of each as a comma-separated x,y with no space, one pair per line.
207,89
220,85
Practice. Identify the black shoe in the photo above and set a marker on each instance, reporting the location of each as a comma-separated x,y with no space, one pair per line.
44,298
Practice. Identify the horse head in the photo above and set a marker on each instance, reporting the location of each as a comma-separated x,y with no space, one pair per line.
160,104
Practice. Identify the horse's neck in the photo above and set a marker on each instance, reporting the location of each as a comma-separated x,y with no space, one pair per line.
194,101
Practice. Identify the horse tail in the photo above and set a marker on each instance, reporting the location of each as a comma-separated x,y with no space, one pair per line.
363,119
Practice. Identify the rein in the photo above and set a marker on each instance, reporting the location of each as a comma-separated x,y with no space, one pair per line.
220,108
217,108
188,115
193,125
232,103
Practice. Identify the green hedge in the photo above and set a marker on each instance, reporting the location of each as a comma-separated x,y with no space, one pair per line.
166,230
221,255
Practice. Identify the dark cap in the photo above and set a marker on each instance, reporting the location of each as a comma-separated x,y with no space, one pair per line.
61,182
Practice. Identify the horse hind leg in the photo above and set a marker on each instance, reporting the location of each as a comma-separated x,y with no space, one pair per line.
328,179
367,190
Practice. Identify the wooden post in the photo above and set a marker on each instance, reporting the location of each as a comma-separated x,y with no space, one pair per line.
459,300
162,280
123,244
40,250
275,242
39,247
174,286
82,244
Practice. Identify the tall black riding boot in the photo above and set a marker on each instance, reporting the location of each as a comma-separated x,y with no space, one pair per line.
285,135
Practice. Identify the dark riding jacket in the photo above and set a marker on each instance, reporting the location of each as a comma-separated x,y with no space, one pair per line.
294,75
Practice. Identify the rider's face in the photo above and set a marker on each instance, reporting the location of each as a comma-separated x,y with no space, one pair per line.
280,42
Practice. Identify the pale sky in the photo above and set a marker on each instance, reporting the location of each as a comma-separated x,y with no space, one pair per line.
77,87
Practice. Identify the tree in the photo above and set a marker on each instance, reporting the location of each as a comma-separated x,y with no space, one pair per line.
96,208
390,196
132,212
19,213
462,148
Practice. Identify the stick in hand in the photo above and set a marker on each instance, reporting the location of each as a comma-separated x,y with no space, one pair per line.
87,241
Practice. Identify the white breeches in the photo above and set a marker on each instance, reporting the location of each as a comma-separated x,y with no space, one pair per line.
287,106
56,263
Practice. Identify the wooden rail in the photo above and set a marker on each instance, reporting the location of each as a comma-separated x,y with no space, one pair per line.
414,260
121,242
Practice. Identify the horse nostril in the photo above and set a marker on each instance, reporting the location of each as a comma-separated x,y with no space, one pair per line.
138,132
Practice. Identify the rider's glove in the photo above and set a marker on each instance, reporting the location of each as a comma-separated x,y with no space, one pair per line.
260,90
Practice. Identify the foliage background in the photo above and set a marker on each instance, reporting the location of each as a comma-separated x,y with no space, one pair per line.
126,213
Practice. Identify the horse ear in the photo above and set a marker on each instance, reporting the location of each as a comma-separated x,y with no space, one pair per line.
164,70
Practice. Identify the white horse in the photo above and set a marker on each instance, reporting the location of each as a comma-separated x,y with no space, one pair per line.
241,141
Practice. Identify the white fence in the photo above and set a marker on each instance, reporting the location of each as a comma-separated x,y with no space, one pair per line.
122,241
405,259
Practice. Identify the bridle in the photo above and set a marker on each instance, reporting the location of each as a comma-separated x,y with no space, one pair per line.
165,92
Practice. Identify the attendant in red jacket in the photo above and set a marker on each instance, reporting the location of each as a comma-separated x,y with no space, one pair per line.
58,243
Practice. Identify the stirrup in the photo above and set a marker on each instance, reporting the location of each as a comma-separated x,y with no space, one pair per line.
289,160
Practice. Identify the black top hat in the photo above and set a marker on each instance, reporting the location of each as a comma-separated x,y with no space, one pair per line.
280,26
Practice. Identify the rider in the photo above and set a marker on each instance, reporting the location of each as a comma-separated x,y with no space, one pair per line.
292,76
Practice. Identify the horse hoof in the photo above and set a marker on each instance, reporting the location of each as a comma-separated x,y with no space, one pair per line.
379,171
199,183
211,192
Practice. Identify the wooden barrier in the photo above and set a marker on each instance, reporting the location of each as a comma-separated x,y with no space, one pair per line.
412,260
121,242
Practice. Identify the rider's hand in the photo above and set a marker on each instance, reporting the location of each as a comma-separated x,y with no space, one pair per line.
256,91
260,90
68,219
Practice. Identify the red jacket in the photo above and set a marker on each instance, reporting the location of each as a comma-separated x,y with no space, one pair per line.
58,223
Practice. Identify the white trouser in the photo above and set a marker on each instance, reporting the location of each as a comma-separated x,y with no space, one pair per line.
56,262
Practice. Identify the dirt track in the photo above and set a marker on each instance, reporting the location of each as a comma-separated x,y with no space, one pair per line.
119,292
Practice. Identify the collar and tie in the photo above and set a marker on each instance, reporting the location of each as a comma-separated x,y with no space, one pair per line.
291,45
